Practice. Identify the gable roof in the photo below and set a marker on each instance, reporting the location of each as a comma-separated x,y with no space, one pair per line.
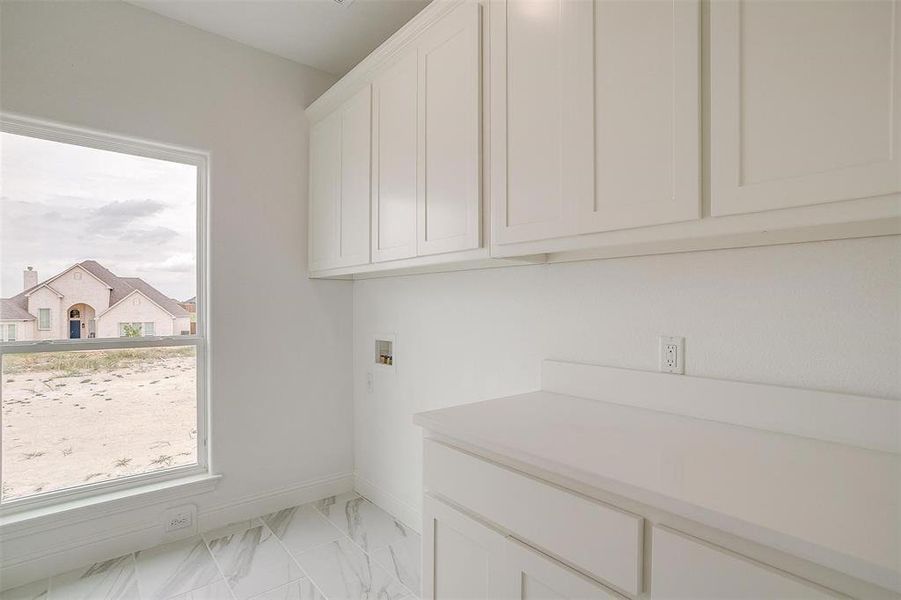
168,304
119,287
42,285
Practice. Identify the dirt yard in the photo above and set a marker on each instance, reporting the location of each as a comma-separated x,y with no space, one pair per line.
78,417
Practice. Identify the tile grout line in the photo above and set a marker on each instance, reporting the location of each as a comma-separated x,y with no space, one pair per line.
367,554
228,584
294,558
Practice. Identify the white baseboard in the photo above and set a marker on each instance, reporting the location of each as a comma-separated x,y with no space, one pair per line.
405,513
268,502
84,545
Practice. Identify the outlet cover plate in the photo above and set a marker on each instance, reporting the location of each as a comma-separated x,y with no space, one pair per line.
180,519
672,354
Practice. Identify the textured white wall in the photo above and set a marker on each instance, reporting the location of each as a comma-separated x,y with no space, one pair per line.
77,286
44,298
281,394
820,315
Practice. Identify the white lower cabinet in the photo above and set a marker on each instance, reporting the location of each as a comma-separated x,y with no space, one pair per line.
492,533
531,575
462,559
682,567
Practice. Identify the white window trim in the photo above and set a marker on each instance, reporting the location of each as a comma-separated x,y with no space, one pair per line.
22,125
49,319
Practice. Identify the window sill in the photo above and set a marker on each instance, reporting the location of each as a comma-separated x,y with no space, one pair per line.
66,512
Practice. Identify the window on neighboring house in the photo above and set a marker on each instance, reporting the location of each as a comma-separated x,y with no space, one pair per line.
116,408
136,329
43,318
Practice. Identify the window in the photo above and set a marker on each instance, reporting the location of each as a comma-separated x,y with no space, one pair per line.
110,235
139,329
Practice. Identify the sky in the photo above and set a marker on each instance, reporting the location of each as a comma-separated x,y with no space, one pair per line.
61,204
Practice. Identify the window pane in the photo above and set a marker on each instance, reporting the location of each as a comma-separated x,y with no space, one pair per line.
71,418
93,238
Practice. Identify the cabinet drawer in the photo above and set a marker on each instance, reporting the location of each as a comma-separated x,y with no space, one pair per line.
597,538
682,567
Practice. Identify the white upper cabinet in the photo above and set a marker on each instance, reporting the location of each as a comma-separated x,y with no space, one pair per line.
541,116
805,102
339,186
595,116
646,115
394,160
449,193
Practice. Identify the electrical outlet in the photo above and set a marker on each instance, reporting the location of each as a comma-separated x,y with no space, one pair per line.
180,517
672,354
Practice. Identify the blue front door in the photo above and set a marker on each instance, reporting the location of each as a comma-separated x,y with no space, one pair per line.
74,329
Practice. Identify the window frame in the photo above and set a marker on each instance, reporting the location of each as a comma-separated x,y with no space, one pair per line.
49,319
58,132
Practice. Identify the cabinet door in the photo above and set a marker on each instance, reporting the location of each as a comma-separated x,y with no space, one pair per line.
449,133
461,558
531,575
541,117
682,568
646,115
325,168
339,186
395,161
354,203
805,101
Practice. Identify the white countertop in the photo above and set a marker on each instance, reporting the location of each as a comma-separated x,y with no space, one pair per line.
832,504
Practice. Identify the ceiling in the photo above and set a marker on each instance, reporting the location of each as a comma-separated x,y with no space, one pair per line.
320,33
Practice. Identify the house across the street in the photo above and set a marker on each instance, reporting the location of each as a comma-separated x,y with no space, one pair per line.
87,300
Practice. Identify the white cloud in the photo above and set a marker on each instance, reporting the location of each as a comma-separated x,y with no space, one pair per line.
61,204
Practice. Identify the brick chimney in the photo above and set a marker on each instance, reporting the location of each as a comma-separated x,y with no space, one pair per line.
30,278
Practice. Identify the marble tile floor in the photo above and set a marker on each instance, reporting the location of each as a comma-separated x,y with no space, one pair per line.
339,548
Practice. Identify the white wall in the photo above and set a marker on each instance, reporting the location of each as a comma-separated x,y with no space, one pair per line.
136,308
281,394
820,315
44,298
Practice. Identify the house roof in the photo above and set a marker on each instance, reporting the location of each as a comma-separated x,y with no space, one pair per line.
42,285
11,311
166,303
120,287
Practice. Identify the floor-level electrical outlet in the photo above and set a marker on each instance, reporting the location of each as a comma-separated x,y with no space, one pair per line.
672,354
180,518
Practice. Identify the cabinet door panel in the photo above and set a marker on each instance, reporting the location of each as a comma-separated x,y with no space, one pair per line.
646,93
461,558
531,575
804,102
541,117
395,161
354,203
449,133
325,167
685,568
